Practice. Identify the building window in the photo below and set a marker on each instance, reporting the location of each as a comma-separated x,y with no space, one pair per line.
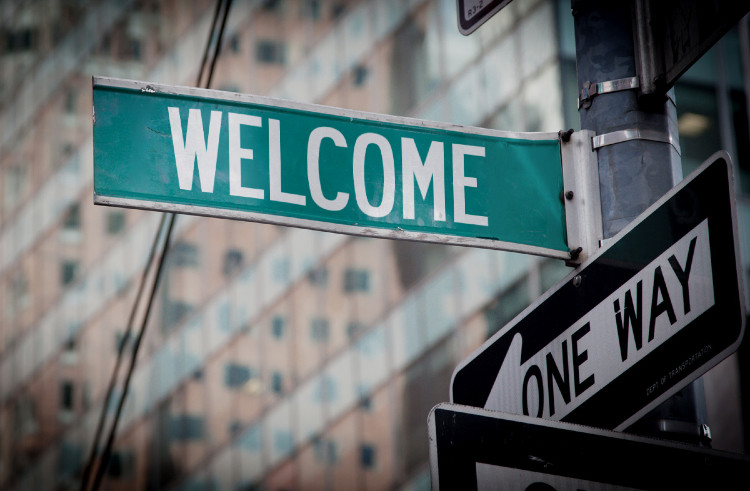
185,254
365,402
16,184
272,5
234,43
72,219
283,441
70,345
251,439
326,451
354,328
509,304
277,383
224,317
69,355
186,427
19,297
69,459
236,376
277,327
115,222
68,272
70,101
121,464
113,401
67,150
124,340
326,390
230,88
135,49
356,280
174,312
367,456
24,417
319,329
270,52
338,10
66,395
281,270
106,44
86,396
232,261
414,72
551,272
234,428
359,75
21,40
318,277
311,9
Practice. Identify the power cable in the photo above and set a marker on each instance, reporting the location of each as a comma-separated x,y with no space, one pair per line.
120,351
137,343
170,219
208,45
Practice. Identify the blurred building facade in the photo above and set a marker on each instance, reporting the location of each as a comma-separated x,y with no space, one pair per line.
278,358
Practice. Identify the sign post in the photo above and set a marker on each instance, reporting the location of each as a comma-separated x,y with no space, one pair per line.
651,312
473,448
238,156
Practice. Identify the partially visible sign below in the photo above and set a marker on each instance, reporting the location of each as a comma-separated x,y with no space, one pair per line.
230,155
474,13
473,448
638,321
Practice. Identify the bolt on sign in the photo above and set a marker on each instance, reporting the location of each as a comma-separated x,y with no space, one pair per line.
650,313
224,154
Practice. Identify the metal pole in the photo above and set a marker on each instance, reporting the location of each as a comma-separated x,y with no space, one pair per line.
639,160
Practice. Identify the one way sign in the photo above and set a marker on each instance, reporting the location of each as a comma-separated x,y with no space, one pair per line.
647,315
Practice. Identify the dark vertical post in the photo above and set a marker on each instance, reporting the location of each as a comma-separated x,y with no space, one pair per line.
639,160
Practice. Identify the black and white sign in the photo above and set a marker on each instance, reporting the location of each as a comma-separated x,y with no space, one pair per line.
474,13
645,316
672,35
472,448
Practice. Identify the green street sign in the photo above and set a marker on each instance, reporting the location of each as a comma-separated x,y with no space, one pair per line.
229,155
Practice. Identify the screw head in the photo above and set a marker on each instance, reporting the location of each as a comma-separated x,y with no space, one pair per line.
569,195
577,281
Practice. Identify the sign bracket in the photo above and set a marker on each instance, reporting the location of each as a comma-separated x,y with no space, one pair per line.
622,136
591,89
583,210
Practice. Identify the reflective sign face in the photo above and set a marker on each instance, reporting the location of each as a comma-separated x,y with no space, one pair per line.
224,154
653,311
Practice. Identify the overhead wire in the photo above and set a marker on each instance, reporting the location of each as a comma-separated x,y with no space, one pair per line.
118,360
169,219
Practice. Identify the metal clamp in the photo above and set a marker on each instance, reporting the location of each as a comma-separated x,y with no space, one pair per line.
634,134
591,89
581,196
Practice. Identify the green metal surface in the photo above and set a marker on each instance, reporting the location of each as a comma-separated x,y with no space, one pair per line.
514,187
